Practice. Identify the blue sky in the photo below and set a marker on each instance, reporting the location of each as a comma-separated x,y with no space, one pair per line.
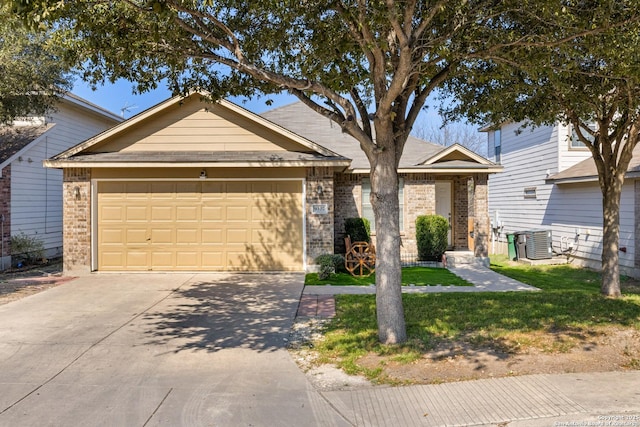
114,97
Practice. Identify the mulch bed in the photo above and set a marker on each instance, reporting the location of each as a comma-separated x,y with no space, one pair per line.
19,283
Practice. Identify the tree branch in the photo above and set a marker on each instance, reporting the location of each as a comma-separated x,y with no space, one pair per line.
349,124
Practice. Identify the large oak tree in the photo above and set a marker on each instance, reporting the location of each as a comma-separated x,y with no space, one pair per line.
32,77
592,84
366,65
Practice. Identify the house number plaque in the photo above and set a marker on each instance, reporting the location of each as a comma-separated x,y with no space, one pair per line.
320,209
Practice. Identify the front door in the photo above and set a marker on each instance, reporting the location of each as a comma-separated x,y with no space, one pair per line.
443,203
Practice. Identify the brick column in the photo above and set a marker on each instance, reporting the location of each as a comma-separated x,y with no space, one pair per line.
482,223
320,226
347,202
76,229
5,209
419,199
461,213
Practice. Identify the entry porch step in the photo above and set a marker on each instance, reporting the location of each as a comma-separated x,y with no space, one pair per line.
459,258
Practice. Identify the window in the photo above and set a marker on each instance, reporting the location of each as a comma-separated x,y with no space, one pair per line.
367,209
574,142
530,193
497,144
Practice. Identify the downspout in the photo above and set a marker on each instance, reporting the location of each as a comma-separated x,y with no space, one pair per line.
46,187
2,244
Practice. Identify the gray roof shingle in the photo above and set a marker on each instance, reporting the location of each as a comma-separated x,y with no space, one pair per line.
201,157
586,169
305,122
15,138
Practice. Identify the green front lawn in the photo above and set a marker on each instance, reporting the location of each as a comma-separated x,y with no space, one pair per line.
418,276
513,322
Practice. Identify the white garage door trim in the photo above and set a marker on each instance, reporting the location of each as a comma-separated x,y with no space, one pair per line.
94,207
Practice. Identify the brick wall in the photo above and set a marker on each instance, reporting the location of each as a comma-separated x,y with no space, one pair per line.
481,211
419,199
320,226
461,213
5,209
348,197
76,229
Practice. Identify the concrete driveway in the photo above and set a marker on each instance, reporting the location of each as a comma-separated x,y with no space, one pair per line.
156,349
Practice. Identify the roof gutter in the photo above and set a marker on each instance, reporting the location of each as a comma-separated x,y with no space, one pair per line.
590,178
571,180
436,170
60,164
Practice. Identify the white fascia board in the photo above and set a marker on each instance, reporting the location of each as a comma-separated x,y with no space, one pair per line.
59,164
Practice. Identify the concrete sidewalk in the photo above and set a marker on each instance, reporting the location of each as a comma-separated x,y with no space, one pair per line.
483,279
586,399
597,399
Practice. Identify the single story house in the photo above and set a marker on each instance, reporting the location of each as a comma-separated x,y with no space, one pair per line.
31,196
190,185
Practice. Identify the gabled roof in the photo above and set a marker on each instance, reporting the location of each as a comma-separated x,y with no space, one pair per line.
16,139
434,158
91,107
586,171
302,138
452,153
96,151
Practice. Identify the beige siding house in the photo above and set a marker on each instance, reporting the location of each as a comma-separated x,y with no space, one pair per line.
188,185
30,195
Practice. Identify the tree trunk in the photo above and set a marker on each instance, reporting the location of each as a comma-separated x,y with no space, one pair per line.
384,201
611,193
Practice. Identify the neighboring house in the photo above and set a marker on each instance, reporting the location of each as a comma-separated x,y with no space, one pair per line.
550,182
188,185
30,195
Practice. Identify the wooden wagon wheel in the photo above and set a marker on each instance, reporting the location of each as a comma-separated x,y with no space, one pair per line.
359,260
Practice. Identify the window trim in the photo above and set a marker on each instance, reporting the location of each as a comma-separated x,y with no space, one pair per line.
365,204
530,193
497,145
574,137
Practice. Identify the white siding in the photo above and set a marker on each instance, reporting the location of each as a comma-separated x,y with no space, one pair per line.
579,206
36,192
527,157
568,156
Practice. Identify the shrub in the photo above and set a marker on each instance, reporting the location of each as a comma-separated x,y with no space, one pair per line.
329,263
431,237
26,249
358,228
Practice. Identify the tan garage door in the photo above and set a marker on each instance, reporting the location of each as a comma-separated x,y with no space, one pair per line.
200,225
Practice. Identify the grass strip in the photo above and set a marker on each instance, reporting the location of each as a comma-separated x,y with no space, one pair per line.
570,301
418,276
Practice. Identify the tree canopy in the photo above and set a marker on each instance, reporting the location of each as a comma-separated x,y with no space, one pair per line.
592,84
367,65
32,75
